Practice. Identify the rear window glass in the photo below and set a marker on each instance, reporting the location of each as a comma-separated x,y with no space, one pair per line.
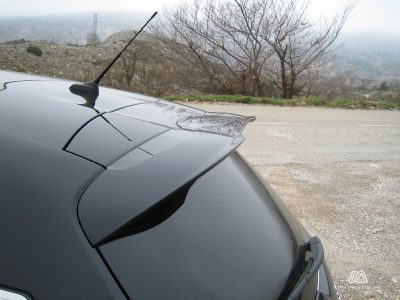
227,241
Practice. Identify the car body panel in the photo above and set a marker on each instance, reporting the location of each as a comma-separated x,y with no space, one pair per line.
110,136
43,249
9,77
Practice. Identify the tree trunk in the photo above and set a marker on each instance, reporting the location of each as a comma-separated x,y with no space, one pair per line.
292,86
284,79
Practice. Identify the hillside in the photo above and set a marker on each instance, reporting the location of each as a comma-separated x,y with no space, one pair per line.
367,61
146,67
363,67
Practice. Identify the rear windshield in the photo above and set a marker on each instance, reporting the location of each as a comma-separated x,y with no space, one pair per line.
227,241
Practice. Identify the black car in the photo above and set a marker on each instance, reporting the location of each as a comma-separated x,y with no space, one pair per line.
134,197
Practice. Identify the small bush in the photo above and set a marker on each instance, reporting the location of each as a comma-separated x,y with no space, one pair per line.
35,51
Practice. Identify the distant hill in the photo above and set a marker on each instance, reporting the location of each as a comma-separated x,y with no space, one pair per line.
69,28
369,58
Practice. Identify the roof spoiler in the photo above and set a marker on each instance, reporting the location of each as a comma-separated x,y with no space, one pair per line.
150,183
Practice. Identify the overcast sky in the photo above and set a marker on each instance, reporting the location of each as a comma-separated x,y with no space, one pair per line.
370,16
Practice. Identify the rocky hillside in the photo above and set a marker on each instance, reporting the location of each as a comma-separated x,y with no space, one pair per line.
146,67
57,60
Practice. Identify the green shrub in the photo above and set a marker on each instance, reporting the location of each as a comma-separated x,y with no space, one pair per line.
35,50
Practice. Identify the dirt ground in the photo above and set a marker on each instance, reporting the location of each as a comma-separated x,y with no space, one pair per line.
339,173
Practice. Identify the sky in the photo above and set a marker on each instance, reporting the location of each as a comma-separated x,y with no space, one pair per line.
369,16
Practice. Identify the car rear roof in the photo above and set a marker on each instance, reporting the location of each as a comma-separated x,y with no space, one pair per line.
150,149
42,109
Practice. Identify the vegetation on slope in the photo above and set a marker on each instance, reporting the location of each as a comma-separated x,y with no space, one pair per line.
151,68
310,101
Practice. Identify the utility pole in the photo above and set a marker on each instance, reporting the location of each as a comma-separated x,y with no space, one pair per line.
94,34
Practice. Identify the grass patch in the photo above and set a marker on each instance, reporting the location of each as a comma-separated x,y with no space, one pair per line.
310,101
282,102
316,101
341,103
215,98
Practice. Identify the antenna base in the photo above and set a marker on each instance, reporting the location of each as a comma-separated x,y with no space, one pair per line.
88,90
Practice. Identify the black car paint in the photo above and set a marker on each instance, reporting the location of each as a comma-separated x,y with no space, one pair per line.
105,138
43,249
43,179
46,107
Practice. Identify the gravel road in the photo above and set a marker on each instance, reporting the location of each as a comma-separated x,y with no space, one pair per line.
339,173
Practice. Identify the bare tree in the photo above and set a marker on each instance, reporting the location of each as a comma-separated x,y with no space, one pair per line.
219,36
130,62
254,41
331,86
301,47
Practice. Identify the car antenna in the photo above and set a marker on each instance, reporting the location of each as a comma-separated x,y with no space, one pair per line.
90,90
